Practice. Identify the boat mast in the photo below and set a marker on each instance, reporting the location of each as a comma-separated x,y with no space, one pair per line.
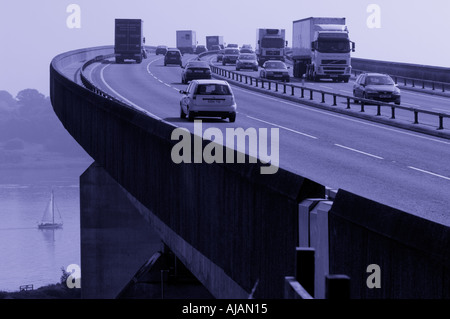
53,209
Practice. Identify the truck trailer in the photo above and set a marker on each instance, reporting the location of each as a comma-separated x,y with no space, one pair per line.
214,40
186,41
321,49
270,45
129,40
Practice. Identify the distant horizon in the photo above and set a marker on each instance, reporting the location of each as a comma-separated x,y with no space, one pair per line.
405,31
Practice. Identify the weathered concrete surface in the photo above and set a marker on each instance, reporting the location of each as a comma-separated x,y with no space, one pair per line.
115,239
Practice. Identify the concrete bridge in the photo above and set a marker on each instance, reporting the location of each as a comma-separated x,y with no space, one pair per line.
240,233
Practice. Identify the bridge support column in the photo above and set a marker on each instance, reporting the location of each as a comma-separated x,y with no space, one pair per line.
115,239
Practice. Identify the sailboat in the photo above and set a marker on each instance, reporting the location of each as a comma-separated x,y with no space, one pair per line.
48,219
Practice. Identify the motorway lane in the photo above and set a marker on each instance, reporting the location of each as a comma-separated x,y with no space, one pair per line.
421,101
405,170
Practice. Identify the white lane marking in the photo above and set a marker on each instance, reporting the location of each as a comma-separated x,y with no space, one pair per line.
430,173
151,73
338,116
282,127
358,151
414,105
122,97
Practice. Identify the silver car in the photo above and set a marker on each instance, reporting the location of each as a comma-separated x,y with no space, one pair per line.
376,86
211,98
276,70
247,61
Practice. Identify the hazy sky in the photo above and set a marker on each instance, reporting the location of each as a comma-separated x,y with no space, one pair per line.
32,32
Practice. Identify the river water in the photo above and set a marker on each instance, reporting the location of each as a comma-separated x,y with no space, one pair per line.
29,255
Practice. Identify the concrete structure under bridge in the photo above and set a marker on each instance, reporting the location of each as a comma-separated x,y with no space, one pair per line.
240,233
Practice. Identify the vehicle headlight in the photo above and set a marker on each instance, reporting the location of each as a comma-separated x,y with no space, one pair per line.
397,91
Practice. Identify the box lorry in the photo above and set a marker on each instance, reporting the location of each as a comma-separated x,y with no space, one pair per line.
214,40
321,49
186,41
270,45
129,40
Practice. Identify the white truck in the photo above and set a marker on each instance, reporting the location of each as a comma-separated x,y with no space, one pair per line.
214,40
186,41
321,49
270,45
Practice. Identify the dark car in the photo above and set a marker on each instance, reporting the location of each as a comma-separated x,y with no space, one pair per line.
276,70
246,50
200,49
376,86
173,56
247,61
195,70
230,56
216,47
220,55
161,49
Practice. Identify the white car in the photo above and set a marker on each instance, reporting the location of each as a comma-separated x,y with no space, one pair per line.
211,98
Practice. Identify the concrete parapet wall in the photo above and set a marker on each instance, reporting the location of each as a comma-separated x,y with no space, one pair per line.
413,253
416,71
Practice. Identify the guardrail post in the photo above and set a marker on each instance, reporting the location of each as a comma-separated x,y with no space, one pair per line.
441,122
362,106
276,86
416,117
334,100
423,84
348,103
413,83
323,97
284,88
256,80
270,85
311,94
378,110
262,84
392,112
246,79
432,86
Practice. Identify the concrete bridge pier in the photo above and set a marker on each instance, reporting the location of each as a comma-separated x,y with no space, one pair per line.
115,239
122,254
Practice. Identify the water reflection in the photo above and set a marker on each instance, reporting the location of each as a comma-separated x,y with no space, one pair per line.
49,234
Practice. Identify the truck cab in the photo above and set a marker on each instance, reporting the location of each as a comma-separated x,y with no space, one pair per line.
270,45
322,49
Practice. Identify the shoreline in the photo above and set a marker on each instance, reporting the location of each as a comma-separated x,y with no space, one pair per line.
52,291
